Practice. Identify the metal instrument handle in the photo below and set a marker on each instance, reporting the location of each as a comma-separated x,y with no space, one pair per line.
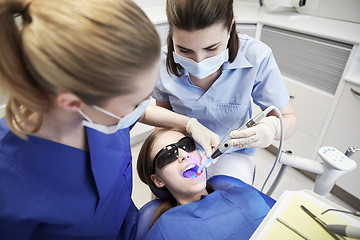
357,93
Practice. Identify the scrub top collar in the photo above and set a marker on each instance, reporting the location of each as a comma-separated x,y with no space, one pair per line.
239,62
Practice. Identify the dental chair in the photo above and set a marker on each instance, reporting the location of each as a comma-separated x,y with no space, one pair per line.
220,182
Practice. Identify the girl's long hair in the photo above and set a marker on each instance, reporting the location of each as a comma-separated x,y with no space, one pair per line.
145,169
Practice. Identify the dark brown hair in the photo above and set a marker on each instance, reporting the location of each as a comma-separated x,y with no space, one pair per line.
190,15
145,169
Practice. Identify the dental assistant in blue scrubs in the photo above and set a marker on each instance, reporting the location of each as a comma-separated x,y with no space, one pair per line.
210,72
77,76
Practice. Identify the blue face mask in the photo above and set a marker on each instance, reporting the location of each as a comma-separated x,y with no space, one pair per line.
204,68
124,122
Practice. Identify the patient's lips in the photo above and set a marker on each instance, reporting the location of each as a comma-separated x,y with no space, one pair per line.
190,171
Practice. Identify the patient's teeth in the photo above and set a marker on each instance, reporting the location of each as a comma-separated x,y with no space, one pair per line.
189,167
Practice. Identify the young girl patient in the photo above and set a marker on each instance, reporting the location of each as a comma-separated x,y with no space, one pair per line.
167,163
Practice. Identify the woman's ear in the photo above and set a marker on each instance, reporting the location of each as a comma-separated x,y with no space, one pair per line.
69,101
157,181
231,27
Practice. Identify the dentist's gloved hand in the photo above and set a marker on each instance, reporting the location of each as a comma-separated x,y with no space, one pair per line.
260,135
206,138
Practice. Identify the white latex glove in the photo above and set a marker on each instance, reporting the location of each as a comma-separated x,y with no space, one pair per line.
206,138
260,135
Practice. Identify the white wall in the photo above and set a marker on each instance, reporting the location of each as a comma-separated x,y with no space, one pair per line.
347,10
150,3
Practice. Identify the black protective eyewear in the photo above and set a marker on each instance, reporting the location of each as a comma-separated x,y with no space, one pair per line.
170,153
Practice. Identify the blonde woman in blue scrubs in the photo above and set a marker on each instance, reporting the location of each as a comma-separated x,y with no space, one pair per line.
209,72
77,75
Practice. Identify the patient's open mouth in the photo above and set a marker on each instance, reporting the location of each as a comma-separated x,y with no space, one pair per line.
190,171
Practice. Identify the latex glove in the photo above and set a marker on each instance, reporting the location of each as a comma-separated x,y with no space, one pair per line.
260,135
202,135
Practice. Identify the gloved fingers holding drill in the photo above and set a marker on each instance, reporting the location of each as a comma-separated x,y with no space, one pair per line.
260,135
202,135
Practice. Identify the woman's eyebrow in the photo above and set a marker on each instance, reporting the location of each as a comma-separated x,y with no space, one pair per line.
212,46
187,49
184,48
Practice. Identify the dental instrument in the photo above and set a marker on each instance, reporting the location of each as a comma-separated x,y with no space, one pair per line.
224,146
345,230
210,159
292,229
321,223
350,151
357,213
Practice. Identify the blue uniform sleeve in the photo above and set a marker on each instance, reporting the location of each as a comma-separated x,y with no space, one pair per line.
10,226
159,92
269,88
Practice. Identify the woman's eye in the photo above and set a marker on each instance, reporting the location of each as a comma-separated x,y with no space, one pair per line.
211,49
184,50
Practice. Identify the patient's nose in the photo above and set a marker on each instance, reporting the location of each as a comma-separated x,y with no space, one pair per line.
183,155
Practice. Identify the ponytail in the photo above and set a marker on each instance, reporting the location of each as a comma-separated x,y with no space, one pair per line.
233,43
25,99
69,45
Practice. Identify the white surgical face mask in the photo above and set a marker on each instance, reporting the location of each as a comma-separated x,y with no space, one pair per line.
124,122
204,68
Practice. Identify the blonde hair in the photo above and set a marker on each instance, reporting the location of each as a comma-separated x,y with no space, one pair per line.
91,48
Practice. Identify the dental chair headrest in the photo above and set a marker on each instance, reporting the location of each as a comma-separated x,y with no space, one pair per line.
161,193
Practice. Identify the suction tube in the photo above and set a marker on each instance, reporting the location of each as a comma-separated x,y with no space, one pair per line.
283,167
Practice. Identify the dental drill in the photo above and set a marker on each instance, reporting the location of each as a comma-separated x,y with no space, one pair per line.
224,146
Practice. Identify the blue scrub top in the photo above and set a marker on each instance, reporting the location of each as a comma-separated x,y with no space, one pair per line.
226,104
224,214
53,191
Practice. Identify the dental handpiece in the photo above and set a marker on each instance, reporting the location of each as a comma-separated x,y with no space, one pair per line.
223,147
345,230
